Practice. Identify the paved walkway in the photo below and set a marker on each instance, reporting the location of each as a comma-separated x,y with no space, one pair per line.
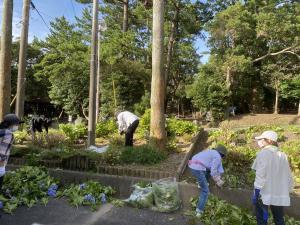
59,212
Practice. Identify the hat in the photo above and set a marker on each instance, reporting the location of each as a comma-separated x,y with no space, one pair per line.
269,134
11,119
221,149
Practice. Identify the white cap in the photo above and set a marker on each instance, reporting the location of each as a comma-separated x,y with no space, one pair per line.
269,134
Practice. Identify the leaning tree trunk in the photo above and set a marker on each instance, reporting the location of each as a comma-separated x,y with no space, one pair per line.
125,15
276,99
158,87
5,58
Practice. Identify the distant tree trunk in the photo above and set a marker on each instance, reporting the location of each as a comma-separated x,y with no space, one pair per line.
299,108
158,86
5,58
228,77
98,93
125,15
276,98
172,37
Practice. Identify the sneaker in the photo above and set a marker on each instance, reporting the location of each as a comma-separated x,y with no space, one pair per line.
198,213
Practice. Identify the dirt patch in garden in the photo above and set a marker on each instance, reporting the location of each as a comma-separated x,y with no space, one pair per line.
262,119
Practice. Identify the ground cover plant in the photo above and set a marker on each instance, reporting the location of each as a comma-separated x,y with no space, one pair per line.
243,149
32,185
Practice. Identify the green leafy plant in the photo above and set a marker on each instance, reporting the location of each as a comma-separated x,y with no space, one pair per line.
106,128
144,154
91,193
74,132
20,137
180,127
26,186
219,212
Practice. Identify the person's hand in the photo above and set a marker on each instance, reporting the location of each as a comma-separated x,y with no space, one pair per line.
220,183
255,196
122,132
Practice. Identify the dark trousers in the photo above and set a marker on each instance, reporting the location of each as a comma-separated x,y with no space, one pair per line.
129,133
277,212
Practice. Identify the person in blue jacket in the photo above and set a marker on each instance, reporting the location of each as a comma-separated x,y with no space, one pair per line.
203,165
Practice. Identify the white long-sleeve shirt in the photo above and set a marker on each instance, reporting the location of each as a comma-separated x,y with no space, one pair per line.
273,176
125,119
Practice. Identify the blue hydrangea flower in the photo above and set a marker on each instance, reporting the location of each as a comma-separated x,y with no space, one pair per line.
82,186
51,192
54,187
103,198
1,205
90,198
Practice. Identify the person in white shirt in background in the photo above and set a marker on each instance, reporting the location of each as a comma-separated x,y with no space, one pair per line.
273,180
127,123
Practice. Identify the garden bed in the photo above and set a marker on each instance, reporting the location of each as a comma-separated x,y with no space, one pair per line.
242,151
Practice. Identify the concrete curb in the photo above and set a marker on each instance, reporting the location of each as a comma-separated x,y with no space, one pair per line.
123,184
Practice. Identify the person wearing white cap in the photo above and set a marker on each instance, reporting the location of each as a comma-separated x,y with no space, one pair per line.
273,180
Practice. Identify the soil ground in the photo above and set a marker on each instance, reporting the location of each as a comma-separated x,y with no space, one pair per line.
262,119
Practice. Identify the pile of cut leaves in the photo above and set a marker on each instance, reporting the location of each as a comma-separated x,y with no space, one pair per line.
32,185
219,212
27,186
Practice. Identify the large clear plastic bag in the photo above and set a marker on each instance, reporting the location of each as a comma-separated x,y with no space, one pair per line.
166,195
141,197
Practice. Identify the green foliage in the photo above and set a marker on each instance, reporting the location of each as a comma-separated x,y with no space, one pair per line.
209,93
219,212
20,137
26,186
145,155
74,132
141,107
143,129
180,127
89,193
54,139
106,128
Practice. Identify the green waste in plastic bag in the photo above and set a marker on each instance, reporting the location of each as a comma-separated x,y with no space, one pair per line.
166,195
141,197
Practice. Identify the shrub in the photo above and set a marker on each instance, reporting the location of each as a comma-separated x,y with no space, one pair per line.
20,137
142,155
106,128
143,129
54,138
74,132
180,127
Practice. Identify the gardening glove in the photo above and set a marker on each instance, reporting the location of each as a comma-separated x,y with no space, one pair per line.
218,181
255,196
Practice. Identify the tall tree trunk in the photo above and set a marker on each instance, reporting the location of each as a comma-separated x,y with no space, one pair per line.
22,60
5,58
93,75
158,86
125,15
299,108
276,98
